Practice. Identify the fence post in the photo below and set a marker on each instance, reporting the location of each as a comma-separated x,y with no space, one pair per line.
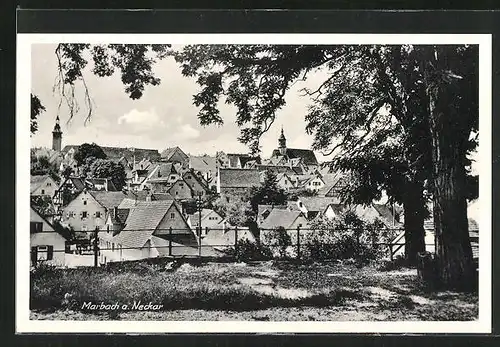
96,248
298,242
170,241
236,239
199,240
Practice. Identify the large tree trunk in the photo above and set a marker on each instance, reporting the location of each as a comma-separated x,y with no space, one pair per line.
414,215
449,135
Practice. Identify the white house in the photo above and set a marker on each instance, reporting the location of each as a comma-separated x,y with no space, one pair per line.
46,244
42,185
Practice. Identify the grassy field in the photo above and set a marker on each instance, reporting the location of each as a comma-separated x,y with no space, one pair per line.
239,291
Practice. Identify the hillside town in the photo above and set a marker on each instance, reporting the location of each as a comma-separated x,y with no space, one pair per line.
177,204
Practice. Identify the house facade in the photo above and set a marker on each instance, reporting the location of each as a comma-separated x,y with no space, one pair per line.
175,155
88,210
47,245
147,231
233,184
198,187
42,185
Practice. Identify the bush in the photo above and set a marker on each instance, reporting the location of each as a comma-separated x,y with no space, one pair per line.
247,250
346,238
278,240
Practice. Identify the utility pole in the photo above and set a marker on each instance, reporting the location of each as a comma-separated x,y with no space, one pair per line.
96,247
199,224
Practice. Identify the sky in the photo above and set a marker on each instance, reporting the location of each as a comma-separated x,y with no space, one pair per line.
163,117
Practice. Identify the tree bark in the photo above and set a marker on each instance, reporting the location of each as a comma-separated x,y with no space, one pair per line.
449,136
414,215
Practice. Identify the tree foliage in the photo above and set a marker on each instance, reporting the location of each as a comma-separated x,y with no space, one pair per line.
36,109
384,110
42,166
268,193
132,62
104,168
88,150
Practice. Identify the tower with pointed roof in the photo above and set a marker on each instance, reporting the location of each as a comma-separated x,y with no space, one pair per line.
57,136
282,143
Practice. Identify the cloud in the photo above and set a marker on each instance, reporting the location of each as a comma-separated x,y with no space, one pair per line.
141,120
185,132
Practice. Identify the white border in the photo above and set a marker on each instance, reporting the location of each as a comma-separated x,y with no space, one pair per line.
23,88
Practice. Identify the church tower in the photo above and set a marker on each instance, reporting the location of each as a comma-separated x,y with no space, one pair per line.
282,143
57,136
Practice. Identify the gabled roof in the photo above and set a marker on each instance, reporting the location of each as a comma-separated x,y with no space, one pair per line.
308,157
317,203
116,153
36,181
201,181
203,163
280,217
108,199
238,178
120,217
169,152
142,221
332,180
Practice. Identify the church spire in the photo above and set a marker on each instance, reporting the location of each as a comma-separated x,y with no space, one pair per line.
57,136
282,142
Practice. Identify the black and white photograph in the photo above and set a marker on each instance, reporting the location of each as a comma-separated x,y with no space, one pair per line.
334,183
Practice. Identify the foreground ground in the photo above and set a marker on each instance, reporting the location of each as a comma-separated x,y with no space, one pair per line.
274,291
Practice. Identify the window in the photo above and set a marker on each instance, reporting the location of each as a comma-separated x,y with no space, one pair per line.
172,215
43,191
176,193
188,177
172,177
84,214
181,184
49,184
98,214
36,227
44,252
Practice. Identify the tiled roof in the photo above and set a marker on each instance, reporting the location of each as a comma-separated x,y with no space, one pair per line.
203,163
116,153
143,219
332,180
239,178
279,217
308,157
317,203
120,217
36,181
276,168
108,199
169,152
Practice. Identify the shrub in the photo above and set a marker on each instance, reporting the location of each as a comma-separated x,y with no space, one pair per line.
345,238
246,250
278,240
